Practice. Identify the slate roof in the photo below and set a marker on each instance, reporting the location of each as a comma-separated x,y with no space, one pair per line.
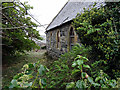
69,12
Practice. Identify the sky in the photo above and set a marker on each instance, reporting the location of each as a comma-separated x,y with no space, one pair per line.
45,10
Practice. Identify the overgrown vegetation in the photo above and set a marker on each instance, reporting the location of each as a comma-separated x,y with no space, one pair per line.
14,64
72,73
95,63
99,28
26,78
18,31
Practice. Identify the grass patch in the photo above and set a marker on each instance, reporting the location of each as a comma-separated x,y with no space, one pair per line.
14,64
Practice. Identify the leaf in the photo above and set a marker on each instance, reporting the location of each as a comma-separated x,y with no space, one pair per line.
85,59
40,83
25,85
31,65
14,82
79,62
75,71
83,74
11,86
30,76
80,84
80,67
43,81
78,57
86,66
96,84
16,77
74,64
97,79
30,84
90,79
112,83
34,64
70,85
41,70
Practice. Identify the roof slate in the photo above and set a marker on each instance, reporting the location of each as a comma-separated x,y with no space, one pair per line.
69,12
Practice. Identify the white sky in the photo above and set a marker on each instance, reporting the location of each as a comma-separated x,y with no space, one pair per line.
45,10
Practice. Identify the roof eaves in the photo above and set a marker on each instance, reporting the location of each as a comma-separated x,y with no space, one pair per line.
56,16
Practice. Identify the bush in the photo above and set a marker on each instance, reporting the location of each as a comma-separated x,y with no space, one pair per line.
30,77
61,71
99,28
99,80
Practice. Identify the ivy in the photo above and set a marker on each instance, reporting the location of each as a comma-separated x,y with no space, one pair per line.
99,28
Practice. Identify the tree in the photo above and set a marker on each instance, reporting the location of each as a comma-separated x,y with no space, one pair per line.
99,28
18,30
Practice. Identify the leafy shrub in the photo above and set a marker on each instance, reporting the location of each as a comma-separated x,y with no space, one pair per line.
30,77
100,80
99,28
61,71
18,39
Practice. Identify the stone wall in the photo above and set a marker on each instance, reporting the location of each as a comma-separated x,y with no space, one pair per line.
51,40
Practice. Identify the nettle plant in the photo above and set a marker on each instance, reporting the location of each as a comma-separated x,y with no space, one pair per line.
30,77
101,80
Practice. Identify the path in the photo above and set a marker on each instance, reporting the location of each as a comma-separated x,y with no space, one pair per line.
15,65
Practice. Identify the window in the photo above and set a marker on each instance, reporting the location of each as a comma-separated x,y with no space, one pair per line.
50,38
58,39
71,38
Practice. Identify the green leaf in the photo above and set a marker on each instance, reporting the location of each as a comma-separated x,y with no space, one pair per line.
41,70
27,84
40,83
79,62
86,66
75,71
43,81
112,83
85,59
90,79
31,65
83,74
78,57
30,76
74,64
97,79
80,84
11,86
80,67
96,84
14,82
16,77
70,85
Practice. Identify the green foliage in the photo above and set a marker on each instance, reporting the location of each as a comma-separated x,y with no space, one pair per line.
18,29
100,80
30,77
61,71
74,74
104,80
97,66
70,85
99,28
79,63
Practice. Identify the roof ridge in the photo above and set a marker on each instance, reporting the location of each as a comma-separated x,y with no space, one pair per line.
57,14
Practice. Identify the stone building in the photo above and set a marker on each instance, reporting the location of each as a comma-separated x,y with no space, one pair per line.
60,35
